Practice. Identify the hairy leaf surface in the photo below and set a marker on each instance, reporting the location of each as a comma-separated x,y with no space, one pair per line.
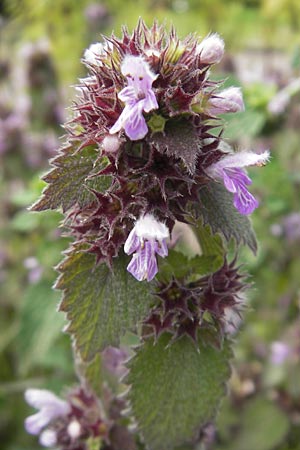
101,304
175,389
68,183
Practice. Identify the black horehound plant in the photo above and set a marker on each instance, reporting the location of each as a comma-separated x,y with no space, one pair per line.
144,152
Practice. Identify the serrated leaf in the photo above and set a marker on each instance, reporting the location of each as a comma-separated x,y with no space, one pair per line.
211,244
175,389
67,182
217,210
101,305
179,140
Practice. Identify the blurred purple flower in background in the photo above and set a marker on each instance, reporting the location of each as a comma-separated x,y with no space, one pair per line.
113,360
279,353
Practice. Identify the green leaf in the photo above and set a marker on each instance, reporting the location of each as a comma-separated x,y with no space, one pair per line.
179,140
246,123
91,374
175,389
211,244
101,304
217,210
270,423
40,324
180,266
67,182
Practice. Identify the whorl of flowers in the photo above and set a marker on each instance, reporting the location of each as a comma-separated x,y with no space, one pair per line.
70,424
150,108
207,303
65,423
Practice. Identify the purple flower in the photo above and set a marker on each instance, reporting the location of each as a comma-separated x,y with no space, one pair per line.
146,239
138,96
235,179
50,407
228,101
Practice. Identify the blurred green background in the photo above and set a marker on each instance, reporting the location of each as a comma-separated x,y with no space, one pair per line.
41,43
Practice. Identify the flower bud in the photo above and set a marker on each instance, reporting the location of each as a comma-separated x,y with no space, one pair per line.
91,53
211,49
228,101
74,430
111,143
48,438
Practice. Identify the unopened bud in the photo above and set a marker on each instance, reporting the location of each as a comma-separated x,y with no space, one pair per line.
228,101
211,49
111,143
48,438
91,53
74,430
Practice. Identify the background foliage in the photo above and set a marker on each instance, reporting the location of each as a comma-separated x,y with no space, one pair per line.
41,43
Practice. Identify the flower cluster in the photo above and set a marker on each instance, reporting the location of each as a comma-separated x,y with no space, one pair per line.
79,421
150,110
66,424
210,302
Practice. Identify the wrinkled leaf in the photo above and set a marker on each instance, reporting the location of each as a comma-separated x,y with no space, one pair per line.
101,304
175,389
179,140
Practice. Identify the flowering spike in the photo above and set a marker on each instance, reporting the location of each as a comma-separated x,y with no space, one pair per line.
211,49
235,179
138,96
147,238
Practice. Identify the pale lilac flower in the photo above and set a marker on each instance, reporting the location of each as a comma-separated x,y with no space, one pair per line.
138,97
48,438
146,239
279,353
49,405
228,101
211,49
230,170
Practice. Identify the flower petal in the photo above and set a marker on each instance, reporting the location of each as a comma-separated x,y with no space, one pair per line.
244,201
132,243
35,423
